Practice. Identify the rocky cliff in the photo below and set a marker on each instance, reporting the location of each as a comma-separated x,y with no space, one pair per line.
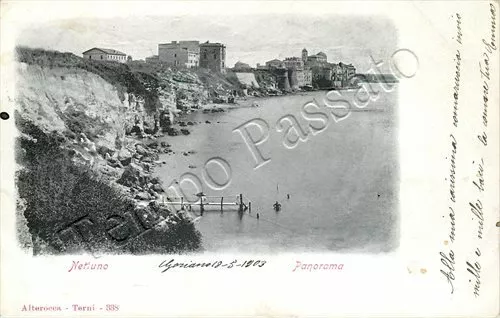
98,122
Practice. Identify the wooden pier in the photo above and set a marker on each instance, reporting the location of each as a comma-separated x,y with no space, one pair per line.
207,203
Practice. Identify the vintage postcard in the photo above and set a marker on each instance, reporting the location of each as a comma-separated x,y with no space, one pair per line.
249,159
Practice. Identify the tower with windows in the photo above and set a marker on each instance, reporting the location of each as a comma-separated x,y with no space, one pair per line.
304,55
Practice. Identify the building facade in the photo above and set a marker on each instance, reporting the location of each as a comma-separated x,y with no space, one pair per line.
183,54
100,54
304,78
275,64
213,56
350,71
240,66
342,74
322,76
305,54
317,58
295,63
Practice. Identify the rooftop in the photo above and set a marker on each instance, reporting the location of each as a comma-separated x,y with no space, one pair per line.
211,44
107,51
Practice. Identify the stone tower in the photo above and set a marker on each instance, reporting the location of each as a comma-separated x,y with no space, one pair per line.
213,56
304,55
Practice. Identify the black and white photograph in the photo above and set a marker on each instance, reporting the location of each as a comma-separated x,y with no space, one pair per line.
249,158
179,135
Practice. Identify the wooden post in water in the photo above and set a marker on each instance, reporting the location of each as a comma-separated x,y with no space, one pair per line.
201,205
221,203
182,203
249,207
241,202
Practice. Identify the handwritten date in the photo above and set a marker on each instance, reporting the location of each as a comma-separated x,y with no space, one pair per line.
165,266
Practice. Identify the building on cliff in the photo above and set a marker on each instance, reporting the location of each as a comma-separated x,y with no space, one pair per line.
317,58
275,64
242,67
182,54
310,71
322,76
294,63
213,56
100,54
304,77
304,55
342,74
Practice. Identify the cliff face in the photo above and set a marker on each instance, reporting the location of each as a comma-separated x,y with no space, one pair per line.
87,150
74,100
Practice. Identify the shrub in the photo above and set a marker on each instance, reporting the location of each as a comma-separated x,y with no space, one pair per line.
77,122
57,193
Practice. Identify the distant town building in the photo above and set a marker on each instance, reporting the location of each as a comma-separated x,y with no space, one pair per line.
350,71
317,58
213,56
240,66
304,77
275,64
261,67
152,59
310,71
337,75
304,56
183,54
295,63
100,54
342,74
322,76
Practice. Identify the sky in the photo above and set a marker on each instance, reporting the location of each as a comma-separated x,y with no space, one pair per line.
248,38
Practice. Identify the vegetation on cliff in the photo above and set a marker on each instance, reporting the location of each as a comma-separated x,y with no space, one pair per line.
125,79
69,208
72,152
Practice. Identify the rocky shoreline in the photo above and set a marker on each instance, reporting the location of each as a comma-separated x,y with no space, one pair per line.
131,168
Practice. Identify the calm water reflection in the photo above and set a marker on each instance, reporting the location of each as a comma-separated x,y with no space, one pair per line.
342,182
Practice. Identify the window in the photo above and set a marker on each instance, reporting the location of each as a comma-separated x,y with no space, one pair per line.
90,57
215,56
175,55
101,57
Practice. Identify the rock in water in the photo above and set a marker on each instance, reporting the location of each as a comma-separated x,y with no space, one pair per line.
158,188
141,149
134,176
